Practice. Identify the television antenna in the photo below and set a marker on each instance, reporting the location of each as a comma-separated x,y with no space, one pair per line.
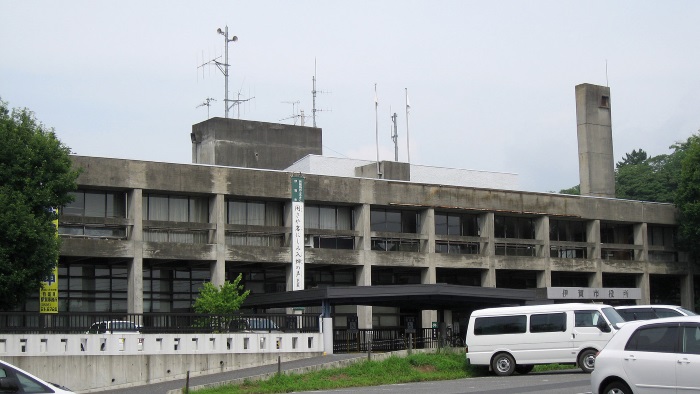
313,94
238,101
207,103
395,135
294,113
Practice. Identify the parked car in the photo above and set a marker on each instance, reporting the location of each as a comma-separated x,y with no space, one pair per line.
650,356
114,327
646,312
515,339
15,380
253,324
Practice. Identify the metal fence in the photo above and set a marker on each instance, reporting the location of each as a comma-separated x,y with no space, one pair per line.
385,340
76,323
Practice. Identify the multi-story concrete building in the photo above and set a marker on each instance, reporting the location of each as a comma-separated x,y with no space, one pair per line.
143,236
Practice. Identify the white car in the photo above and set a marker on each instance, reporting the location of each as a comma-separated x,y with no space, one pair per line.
15,380
650,356
646,312
114,327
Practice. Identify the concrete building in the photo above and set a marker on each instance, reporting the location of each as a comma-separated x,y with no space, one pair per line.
142,236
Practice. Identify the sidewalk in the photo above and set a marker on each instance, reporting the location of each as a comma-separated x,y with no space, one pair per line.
264,371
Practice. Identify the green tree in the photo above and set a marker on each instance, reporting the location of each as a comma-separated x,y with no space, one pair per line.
36,176
688,198
222,300
635,157
575,190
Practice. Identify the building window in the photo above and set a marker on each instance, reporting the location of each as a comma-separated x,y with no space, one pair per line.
514,227
172,289
94,204
328,217
456,247
567,231
466,225
661,236
395,221
88,287
254,213
175,208
97,204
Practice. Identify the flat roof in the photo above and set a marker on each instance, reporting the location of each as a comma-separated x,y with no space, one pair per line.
412,296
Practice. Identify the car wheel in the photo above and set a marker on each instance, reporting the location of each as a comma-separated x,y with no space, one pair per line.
617,387
523,369
586,360
503,364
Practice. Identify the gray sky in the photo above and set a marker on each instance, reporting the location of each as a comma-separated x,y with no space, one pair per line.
491,84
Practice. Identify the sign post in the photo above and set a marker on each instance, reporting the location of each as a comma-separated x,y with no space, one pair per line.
48,294
298,233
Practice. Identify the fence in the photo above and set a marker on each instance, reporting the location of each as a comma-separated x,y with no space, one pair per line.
78,323
386,340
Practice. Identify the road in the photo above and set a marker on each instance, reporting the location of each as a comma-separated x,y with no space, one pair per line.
556,382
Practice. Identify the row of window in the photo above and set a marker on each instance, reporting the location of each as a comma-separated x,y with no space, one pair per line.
539,323
161,207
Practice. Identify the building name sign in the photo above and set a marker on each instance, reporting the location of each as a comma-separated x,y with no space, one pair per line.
298,233
594,293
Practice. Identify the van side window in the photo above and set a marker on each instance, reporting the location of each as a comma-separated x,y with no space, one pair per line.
654,339
691,340
548,322
500,325
587,318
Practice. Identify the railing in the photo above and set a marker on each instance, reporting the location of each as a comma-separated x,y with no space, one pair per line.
385,340
76,323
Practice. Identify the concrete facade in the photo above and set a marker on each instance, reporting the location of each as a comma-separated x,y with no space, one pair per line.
489,263
239,143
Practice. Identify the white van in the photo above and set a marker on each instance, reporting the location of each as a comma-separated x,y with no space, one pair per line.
515,339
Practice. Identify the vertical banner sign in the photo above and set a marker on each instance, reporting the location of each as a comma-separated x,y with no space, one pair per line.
48,295
298,233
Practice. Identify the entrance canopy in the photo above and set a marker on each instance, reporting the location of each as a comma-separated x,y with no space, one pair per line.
419,296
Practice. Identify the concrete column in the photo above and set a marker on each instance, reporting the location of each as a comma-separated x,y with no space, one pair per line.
688,291
364,272
595,148
639,231
544,278
428,229
643,284
488,249
428,277
135,266
218,216
593,236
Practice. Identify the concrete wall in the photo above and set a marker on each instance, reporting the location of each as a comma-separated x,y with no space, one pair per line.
249,144
88,363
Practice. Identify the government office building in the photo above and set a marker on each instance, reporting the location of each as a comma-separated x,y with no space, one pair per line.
142,237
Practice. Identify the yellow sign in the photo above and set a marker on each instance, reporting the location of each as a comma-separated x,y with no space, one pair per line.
48,295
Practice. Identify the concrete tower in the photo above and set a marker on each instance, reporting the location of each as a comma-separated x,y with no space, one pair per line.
595,149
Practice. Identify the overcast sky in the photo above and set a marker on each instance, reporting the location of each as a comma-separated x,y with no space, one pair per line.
490,83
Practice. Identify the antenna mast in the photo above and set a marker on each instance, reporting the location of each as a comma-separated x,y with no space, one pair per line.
395,137
206,103
223,67
313,94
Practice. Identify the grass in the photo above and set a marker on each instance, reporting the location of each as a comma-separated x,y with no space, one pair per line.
413,368
420,367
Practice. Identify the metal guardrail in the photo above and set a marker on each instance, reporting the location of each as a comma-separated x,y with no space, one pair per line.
75,323
385,340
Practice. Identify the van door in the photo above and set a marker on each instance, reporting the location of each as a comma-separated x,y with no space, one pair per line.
590,330
548,340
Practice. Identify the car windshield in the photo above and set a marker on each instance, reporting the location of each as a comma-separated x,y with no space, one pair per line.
613,316
687,312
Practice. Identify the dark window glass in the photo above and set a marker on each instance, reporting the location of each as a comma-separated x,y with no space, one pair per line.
691,340
394,221
637,314
587,318
500,325
658,339
548,322
441,224
663,312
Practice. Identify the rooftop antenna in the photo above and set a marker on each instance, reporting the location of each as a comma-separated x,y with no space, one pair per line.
294,112
395,136
238,101
376,128
606,74
223,67
313,94
408,110
207,103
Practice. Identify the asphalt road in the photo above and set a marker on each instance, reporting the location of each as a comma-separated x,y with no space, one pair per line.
557,382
